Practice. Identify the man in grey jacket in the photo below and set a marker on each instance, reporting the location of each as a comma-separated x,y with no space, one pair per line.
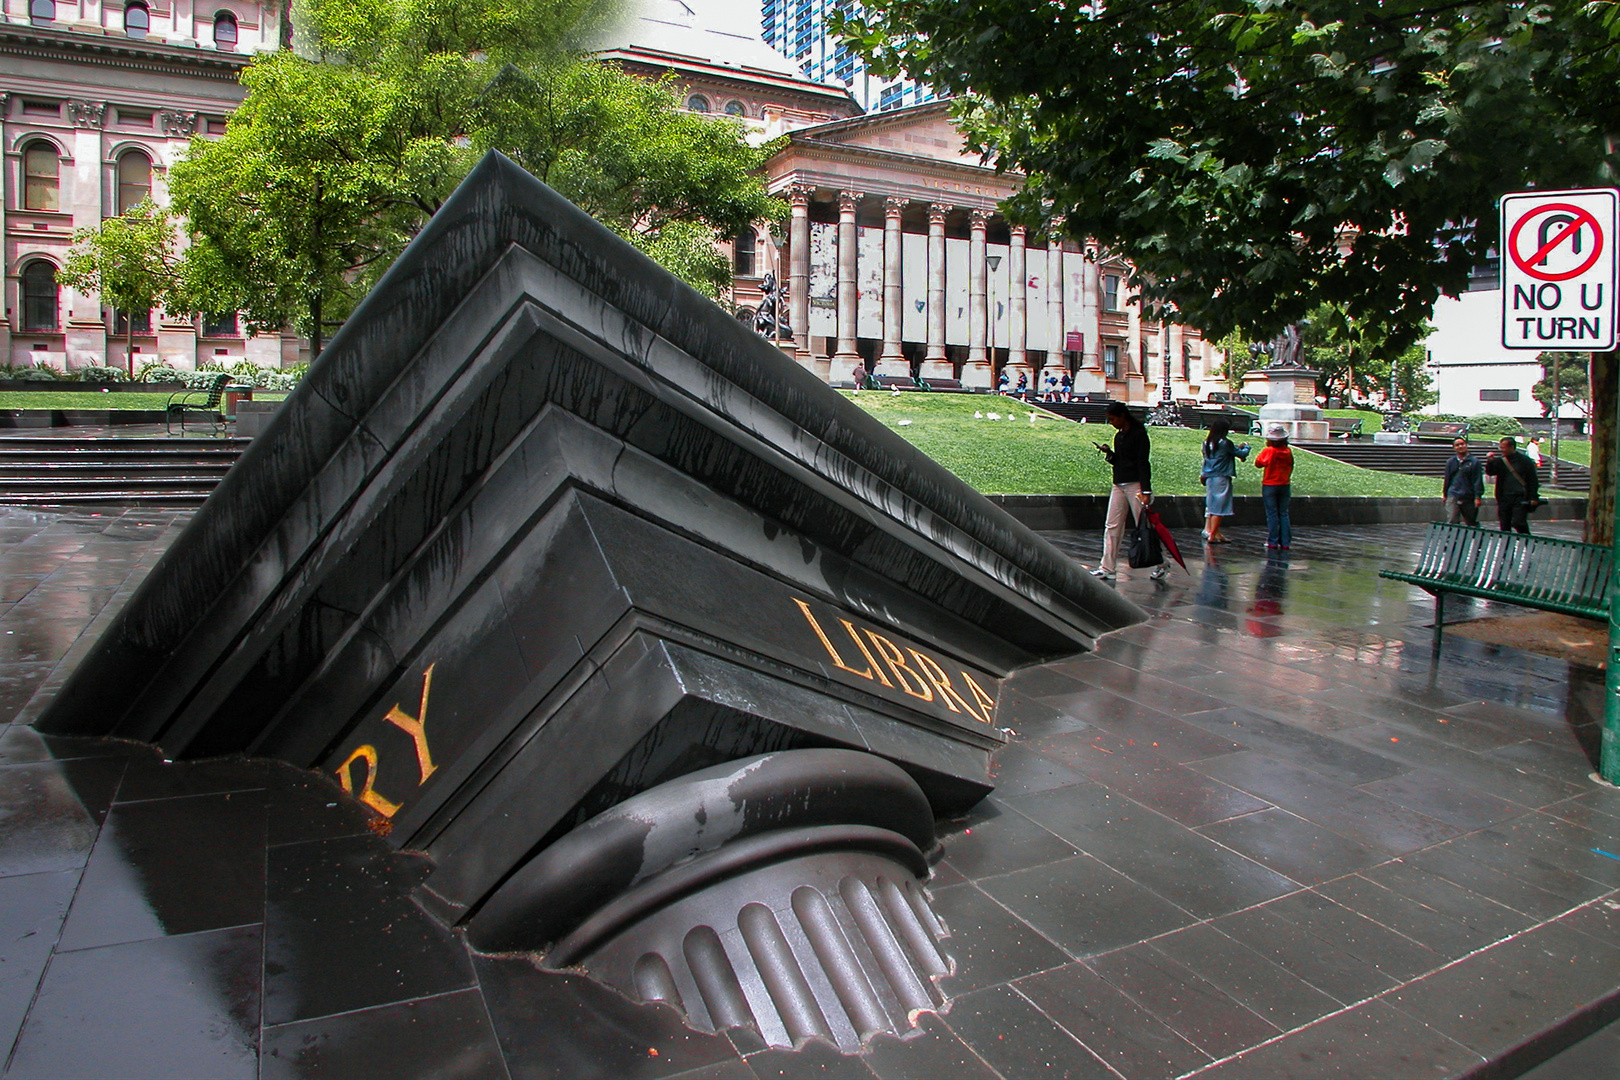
1464,488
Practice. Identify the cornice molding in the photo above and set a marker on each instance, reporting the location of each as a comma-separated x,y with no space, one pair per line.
118,51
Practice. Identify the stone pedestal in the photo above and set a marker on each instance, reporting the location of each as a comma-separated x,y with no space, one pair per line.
1284,388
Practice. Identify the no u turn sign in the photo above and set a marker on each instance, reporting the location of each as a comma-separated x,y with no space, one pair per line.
1558,270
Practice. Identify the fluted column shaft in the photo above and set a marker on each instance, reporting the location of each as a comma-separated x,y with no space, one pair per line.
1018,301
1055,287
799,269
847,327
936,291
892,361
978,371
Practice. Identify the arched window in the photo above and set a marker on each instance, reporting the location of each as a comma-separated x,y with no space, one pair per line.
137,20
697,103
41,171
735,108
40,296
743,253
134,179
225,32
41,12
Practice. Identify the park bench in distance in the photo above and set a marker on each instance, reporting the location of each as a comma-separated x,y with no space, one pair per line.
1543,572
1440,429
895,382
1345,427
945,386
203,402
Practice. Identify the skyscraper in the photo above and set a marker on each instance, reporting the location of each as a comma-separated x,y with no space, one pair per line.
798,30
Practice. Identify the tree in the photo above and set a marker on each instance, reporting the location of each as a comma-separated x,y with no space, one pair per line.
1574,388
342,149
1254,159
130,262
1238,362
1335,348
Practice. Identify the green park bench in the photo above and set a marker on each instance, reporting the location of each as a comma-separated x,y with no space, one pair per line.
203,402
1532,571
1344,427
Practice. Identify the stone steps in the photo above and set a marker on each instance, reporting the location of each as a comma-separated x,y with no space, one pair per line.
113,471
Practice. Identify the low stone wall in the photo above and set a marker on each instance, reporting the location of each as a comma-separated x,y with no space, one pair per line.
1187,511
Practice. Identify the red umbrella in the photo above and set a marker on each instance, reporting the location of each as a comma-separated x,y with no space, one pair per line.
1164,535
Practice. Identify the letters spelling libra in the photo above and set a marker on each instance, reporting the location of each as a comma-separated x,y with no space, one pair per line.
923,677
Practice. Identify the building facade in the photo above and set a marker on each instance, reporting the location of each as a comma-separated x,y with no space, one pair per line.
97,101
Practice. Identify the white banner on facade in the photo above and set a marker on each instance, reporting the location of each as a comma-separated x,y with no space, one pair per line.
1074,291
1035,285
997,264
869,282
956,291
914,287
823,279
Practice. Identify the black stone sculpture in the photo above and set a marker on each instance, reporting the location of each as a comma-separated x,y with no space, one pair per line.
771,321
663,651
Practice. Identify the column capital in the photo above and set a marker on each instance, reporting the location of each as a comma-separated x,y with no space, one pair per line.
979,218
895,205
1018,234
937,212
849,200
799,194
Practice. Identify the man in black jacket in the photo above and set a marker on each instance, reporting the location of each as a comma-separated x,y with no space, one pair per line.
1517,490
1464,488
1132,488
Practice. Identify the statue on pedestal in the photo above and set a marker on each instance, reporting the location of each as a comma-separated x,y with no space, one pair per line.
771,320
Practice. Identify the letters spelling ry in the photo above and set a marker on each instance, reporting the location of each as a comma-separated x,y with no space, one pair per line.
416,728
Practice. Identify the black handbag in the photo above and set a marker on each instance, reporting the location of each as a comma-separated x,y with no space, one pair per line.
1143,548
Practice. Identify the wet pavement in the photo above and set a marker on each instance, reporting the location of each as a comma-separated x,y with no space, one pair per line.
1265,834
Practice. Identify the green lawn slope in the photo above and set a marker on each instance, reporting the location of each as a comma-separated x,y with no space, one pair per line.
1054,456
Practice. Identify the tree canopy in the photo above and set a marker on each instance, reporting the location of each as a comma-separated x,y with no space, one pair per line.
345,145
130,262
1254,159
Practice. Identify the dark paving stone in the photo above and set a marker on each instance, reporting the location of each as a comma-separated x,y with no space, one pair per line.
1515,848
171,866
927,1053
1443,797
1183,867
1348,811
1330,969
1355,934
557,1027
1145,689
814,1059
329,903
32,907
1112,1026
183,1006
304,806
1482,915
989,944
1494,1000
1497,778
1268,990
1321,754
1595,1056
1406,916
1141,773
726,1070
1137,726
1018,1040
1600,919
17,684
996,839
1460,867
1018,770
149,777
1035,719
50,812
1084,906
446,1037
1196,1010
1292,846
1371,1040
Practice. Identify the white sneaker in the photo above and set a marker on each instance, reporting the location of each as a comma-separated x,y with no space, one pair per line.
1159,572
1099,572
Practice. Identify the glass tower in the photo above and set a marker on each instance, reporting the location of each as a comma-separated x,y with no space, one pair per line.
798,30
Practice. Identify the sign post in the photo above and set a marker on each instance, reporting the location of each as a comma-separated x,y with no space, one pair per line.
1558,293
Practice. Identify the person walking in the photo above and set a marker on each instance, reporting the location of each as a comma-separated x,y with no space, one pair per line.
1220,466
1517,491
1276,463
1132,489
1464,487
1532,450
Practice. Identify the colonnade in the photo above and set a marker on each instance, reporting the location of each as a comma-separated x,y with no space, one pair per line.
977,369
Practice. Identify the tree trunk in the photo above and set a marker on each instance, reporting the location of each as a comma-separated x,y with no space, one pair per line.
129,346
314,327
1605,384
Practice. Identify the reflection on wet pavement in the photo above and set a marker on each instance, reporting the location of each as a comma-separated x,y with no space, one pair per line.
1265,833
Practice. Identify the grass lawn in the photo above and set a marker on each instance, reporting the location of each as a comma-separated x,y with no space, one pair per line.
1577,450
1054,456
95,399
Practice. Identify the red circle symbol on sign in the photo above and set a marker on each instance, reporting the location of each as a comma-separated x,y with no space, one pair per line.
1577,218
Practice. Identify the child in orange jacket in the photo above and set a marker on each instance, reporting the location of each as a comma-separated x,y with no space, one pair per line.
1276,463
